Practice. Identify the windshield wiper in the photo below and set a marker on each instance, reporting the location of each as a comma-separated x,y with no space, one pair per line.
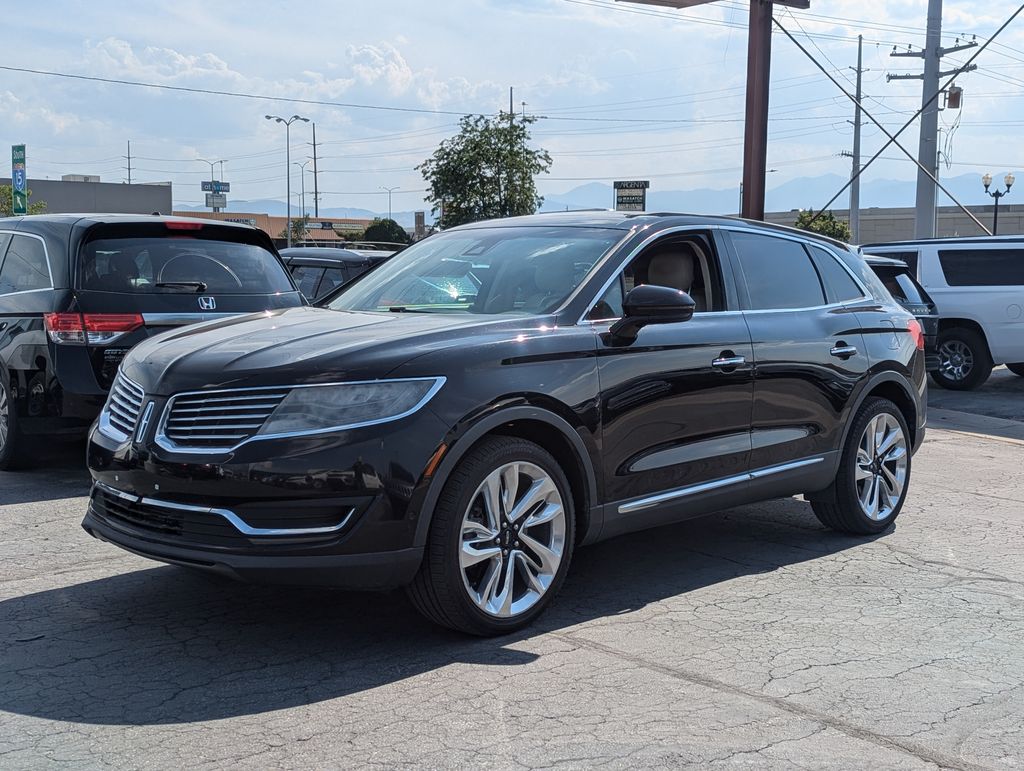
407,309
199,286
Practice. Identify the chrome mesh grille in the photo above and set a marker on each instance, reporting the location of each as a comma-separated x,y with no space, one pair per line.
219,420
124,404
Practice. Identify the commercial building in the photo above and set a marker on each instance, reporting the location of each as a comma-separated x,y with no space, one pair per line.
85,193
321,229
898,224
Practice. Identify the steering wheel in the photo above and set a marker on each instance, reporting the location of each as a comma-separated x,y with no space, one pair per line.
198,255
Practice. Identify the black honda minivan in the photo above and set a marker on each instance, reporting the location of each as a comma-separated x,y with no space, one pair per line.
463,417
78,291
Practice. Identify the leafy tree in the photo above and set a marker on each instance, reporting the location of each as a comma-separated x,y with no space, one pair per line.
384,229
826,225
7,203
299,227
486,171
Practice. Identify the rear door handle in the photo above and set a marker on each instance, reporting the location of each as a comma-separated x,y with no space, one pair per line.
727,362
843,351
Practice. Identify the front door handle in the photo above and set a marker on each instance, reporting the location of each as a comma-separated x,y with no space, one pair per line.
843,351
728,362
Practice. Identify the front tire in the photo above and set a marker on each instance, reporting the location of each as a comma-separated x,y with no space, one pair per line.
500,542
12,443
964,360
874,472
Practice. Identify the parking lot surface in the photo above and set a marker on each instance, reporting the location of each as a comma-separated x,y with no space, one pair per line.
751,638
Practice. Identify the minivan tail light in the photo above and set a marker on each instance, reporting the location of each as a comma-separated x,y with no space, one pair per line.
91,328
916,332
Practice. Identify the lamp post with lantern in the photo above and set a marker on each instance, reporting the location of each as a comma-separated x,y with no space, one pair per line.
1008,180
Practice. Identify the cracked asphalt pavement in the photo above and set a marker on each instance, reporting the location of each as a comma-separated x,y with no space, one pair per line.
752,638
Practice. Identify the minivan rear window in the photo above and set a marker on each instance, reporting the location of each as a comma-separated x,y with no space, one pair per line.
902,286
983,267
179,265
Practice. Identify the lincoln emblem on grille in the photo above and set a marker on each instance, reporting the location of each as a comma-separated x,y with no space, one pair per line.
207,303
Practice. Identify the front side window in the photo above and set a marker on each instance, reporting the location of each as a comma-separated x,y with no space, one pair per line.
521,270
333,278
983,267
778,273
306,278
179,265
24,268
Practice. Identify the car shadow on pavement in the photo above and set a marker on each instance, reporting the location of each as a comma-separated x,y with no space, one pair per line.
166,645
59,472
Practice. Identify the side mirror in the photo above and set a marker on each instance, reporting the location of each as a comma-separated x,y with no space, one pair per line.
650,304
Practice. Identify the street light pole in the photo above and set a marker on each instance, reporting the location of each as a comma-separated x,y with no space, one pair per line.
288,167
1008,180
390,190
212,164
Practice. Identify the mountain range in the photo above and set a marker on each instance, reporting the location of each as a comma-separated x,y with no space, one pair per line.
801,193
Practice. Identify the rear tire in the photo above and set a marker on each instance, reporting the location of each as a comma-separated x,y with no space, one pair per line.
1016,369
500,542
964,360
874,472
13,447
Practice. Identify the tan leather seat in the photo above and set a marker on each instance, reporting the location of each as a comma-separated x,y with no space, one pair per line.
676,267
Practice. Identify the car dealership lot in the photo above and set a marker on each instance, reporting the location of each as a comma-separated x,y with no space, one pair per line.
752,638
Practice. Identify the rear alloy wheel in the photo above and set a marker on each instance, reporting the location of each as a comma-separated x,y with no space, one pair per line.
964,360
11,444
874,472
1016,369
500,541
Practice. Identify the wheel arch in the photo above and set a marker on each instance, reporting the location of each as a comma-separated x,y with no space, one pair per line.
542,427
897,389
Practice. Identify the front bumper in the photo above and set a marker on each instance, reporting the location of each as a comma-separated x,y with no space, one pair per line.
339,509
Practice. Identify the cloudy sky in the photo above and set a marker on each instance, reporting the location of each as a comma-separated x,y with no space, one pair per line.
624,91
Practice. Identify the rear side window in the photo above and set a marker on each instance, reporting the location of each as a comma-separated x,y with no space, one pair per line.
908,257
306,278
902,286
179,265
839,285
779,274
24,268
983,267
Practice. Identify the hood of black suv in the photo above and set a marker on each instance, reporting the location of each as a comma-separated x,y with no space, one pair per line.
298,345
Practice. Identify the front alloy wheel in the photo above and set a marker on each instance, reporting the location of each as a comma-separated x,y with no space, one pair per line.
513,536
500,542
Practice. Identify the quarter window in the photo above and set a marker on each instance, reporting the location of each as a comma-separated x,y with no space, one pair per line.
983,267
24,268
778,273
838,283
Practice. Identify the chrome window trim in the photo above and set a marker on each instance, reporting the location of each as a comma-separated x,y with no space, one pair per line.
583,321
804,242
669,495
46,255
236,521
185,317
162,440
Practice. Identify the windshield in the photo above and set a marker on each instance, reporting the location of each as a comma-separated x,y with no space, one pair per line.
180,264
488,271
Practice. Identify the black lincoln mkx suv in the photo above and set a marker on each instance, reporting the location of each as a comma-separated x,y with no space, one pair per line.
464,417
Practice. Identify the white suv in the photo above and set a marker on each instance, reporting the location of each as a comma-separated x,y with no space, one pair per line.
978,287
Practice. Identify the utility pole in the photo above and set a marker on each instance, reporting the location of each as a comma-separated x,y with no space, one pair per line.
855,189
928,146
316,189
129,156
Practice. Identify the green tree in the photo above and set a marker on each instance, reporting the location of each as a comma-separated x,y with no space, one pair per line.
300,225
486,171
383,229
7,203
826,225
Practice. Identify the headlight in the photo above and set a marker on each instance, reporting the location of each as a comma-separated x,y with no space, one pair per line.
311,409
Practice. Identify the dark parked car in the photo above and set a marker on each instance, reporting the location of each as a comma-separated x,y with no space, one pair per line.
905,289
318,271
464,417
78,291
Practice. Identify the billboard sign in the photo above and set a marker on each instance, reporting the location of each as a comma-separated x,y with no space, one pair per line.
215,186
216,200
631,195
19,181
